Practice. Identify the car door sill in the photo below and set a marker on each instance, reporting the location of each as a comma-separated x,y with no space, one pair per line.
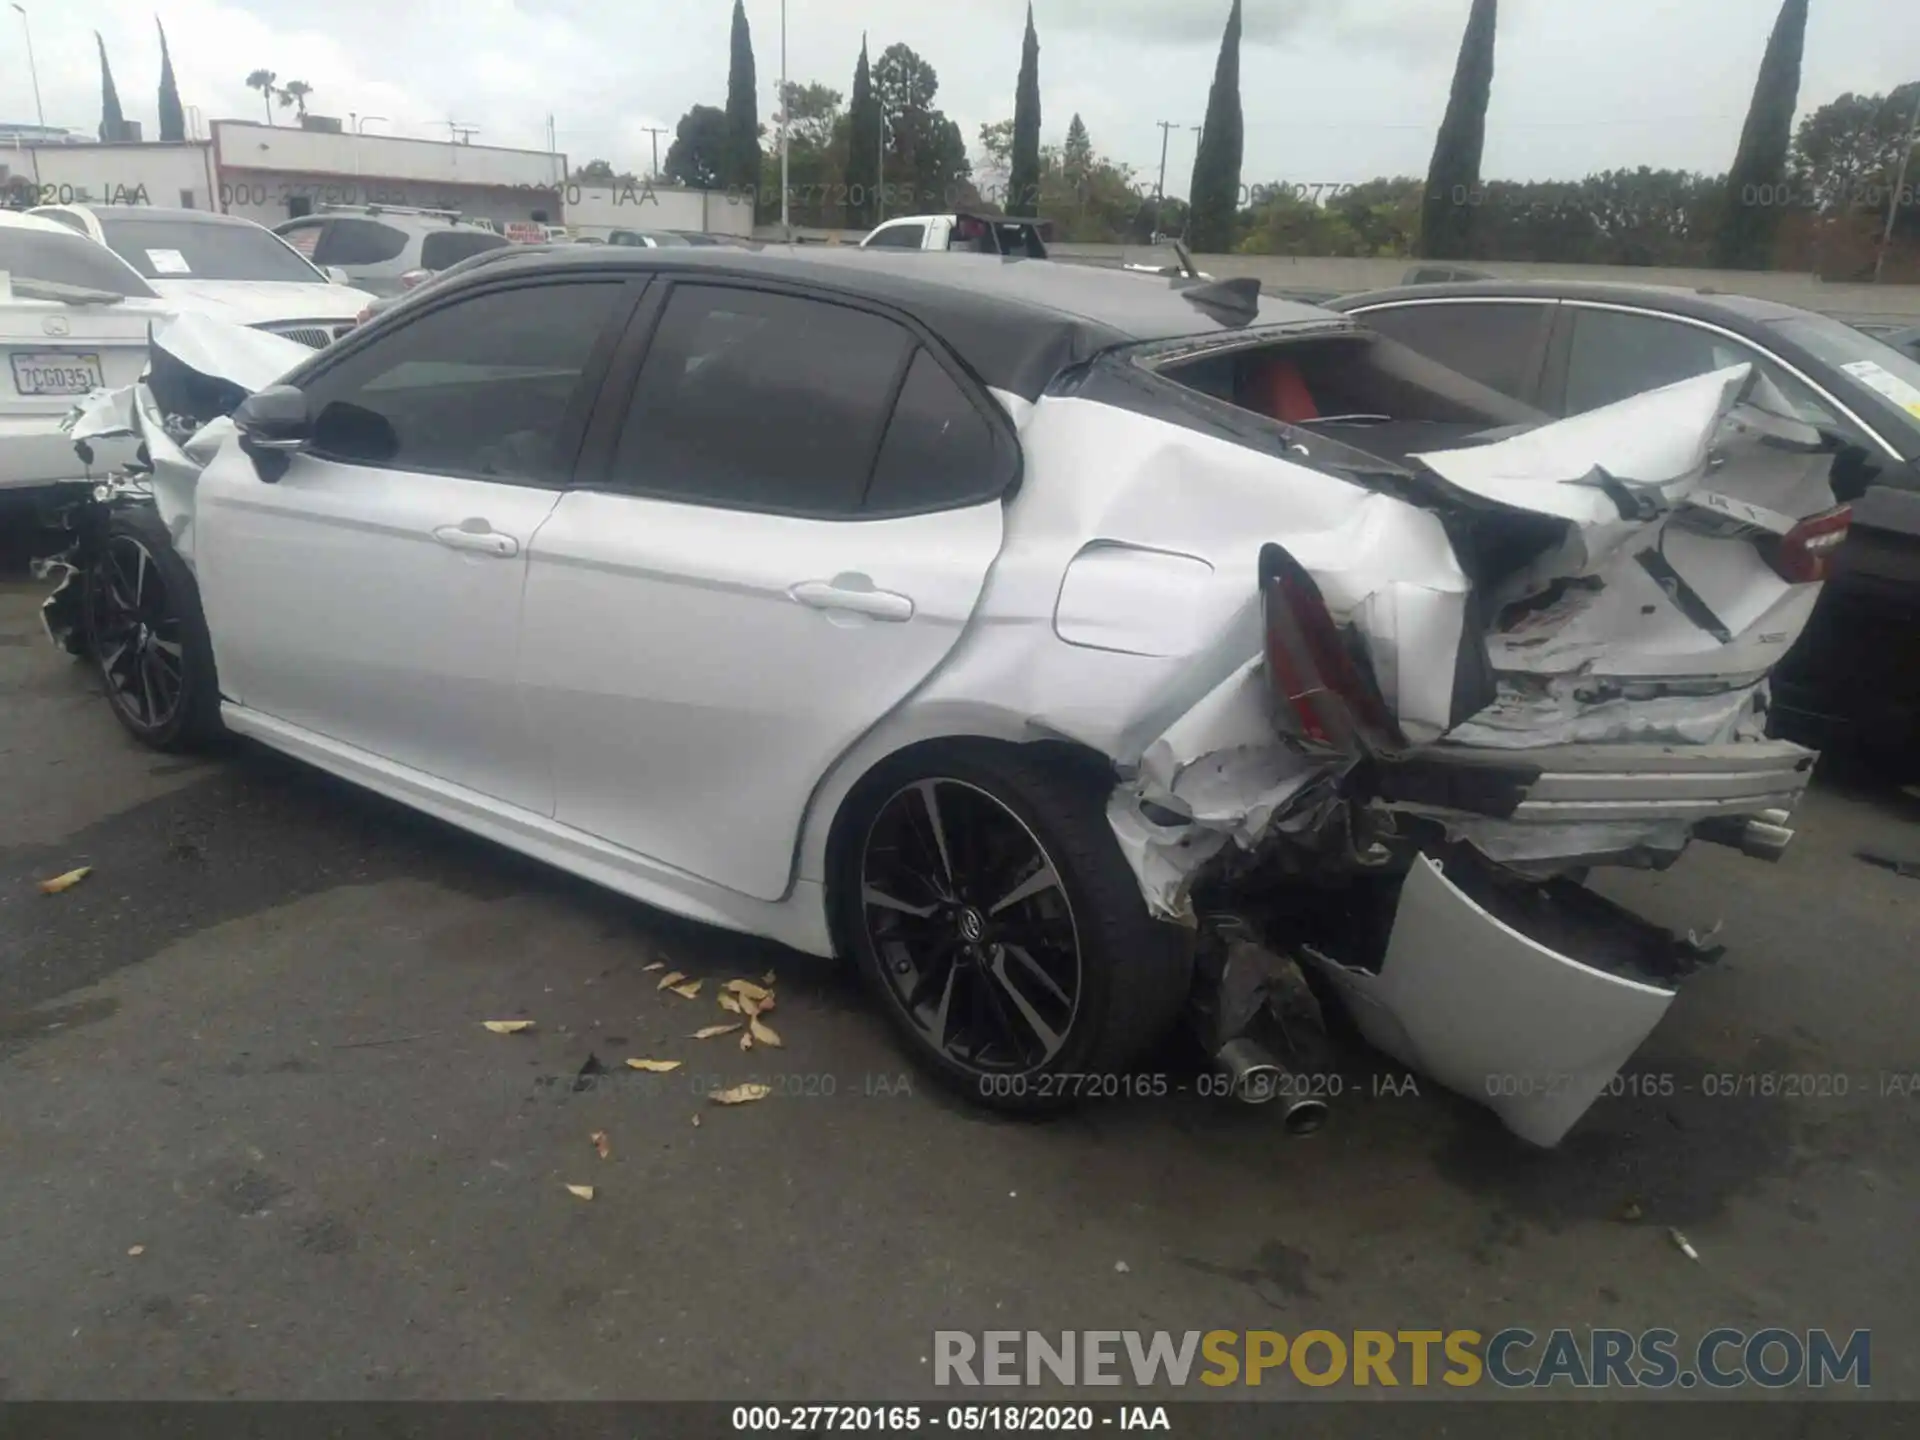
798,921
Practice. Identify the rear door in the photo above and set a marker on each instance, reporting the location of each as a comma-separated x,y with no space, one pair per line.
785,516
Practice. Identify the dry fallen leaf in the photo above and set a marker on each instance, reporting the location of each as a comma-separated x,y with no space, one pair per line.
688,991
580,1192
672,977
66,881
749,1006
746,1040
601,1143
696,1120
656,965
508,1027
728,1001
741,1094
767,979
747,990
136,1250
657,1067
765,1034
711,1031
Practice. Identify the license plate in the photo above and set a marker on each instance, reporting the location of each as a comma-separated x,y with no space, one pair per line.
56,372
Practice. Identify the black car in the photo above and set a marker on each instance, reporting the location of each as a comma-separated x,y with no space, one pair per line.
1566,347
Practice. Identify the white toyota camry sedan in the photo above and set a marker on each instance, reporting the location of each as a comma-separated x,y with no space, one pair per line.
1075,651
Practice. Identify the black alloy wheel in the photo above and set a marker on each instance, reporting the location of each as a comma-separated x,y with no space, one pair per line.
138,635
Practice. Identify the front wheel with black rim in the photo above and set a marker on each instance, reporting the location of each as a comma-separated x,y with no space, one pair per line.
988,905
148,636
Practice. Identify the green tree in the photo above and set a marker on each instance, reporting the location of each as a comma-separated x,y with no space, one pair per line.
1750,218
863,143
173,117
816,149
926,158
741,167
1215,190
698,155
1849,149
261,80
113,125
1023,161
295,93
1453,178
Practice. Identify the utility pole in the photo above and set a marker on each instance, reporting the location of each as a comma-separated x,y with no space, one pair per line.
656,131
1166,129
1893,203
786,220
880,163
32,69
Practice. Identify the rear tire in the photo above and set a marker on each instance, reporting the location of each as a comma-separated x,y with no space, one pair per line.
982,896
147,636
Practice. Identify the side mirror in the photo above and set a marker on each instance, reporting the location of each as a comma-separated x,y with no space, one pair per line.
337,276
273,424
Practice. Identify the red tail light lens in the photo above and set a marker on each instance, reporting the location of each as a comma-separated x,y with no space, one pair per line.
1804,555
1334,703
414,277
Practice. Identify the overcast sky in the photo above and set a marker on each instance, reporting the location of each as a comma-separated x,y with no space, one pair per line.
1334,90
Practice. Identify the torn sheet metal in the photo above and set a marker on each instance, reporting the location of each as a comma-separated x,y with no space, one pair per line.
1462,997
1531,713
219,350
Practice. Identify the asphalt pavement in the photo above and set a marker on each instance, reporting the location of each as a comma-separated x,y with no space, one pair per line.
255,1140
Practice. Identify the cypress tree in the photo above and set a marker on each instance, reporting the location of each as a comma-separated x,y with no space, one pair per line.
1745,236
1214,198
1453,179
112,123
742,170
863,143
1023,179
173,119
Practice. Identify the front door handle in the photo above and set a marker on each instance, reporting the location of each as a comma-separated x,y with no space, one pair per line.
854,593
477,538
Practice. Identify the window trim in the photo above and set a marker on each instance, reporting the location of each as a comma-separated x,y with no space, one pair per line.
594,462
1840,407
899,227
1535,388
574,425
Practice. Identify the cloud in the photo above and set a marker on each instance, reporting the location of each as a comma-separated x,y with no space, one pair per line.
1409,27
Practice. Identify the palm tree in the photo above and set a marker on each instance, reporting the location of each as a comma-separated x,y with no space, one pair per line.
295,92
262,80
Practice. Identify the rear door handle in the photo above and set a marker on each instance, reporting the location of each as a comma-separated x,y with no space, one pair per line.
854,593
477,538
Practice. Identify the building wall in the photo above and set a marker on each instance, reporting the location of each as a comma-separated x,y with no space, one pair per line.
243,145
154,174
271,196
595,210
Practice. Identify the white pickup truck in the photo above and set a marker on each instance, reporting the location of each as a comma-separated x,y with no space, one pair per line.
977,234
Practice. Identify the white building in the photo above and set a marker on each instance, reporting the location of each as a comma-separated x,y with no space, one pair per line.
272,173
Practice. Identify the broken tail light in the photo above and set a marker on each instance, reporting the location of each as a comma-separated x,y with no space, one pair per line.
1804,555
1335,701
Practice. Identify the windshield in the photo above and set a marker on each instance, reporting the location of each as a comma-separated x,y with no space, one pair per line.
1878,366
66,260
172,249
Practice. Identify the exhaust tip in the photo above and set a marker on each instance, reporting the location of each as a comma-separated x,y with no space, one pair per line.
1259,1079
1304,1117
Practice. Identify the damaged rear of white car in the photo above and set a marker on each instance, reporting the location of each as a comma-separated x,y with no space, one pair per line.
1364,666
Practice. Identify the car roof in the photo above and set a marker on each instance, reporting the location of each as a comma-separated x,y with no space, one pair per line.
36,222
163,213
1669,299
1017,322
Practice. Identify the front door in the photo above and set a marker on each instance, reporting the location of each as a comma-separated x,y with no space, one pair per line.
371,594
791,524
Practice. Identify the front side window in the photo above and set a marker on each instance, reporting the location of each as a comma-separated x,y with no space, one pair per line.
163,249
760,401
481,387
54,258
358,242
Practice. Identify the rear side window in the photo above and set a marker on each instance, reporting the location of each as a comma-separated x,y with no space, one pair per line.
481,387
758,401
1498,345
938,448
358,242
442,248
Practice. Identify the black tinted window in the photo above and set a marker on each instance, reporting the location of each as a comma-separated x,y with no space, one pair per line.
760,401
938,449
1615,355
480,387
442,248
55,258
358,242
904,237
1498,345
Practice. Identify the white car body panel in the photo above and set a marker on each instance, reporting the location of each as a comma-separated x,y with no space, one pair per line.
668,700
265,302
35,449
